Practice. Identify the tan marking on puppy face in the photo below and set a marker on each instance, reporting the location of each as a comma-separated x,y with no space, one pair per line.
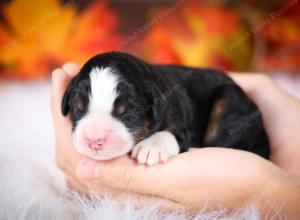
214,120
141,133
79,104
121,107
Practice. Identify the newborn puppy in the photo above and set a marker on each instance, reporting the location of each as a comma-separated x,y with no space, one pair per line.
120,104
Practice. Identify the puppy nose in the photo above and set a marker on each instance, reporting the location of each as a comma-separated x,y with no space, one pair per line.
95,143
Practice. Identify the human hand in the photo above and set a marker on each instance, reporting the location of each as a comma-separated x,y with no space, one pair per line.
145,180
281,117
209,177
66,157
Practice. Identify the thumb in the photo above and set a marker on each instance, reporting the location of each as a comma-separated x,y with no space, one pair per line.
124,174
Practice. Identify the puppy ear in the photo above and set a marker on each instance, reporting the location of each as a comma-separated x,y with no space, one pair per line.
65,102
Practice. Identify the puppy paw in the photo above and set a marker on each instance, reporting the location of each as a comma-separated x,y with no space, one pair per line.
149,153
156,148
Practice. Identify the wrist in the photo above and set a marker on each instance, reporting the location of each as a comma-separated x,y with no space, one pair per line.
252,83
260,85
280,196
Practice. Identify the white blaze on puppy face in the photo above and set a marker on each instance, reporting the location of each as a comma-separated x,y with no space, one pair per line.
103,89
98,134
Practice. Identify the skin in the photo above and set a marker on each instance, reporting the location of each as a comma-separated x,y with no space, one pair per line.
224,178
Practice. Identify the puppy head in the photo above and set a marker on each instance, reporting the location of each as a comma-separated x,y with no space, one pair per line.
108,114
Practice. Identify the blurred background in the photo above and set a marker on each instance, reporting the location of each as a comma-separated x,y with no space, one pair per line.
38,36
252,35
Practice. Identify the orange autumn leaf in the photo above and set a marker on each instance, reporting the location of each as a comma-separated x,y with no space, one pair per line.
158,48
44,34
216,20
197,35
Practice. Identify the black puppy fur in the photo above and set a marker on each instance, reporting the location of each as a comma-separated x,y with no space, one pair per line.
201,107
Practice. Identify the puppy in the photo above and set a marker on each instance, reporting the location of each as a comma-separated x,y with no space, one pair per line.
120,104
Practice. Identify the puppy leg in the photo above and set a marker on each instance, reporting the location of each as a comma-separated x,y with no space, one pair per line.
156,148
236,122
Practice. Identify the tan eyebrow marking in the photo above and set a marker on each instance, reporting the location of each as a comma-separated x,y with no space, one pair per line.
121,107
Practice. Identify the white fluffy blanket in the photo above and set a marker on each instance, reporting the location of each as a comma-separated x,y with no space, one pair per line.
31,187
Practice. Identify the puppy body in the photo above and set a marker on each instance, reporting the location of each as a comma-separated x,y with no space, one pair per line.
119,103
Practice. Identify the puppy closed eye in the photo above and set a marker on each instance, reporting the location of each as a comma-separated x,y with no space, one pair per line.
79,104
121,108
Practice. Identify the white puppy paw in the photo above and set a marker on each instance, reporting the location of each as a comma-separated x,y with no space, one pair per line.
156,148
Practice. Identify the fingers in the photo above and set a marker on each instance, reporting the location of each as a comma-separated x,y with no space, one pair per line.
124,174
66,155
71,68
165,180
60,79
251,82
59,84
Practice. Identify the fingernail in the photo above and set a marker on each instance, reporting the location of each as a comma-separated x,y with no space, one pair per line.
86,169
57,73
71,68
